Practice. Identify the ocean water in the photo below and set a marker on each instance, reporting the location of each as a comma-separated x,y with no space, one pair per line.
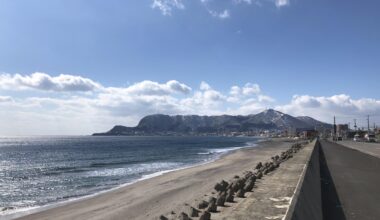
37,171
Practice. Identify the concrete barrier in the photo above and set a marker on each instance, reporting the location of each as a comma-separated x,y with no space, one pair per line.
307,200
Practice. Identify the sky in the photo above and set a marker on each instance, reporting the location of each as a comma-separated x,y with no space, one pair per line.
75,67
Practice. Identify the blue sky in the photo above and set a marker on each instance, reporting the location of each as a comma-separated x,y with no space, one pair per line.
325,51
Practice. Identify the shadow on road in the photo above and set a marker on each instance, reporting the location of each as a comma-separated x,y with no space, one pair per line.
331,205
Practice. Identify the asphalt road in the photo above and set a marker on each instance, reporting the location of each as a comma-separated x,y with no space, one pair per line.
355,178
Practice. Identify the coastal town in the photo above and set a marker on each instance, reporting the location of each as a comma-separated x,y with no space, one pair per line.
267,124
342,132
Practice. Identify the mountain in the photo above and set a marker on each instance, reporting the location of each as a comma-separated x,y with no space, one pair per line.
194,124
314,123
279,119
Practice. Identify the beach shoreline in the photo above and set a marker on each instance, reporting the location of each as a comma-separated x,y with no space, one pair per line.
173,189
220,153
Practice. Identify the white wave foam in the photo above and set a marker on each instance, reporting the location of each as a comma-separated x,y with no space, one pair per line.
225,150
134,169
204,153
16,212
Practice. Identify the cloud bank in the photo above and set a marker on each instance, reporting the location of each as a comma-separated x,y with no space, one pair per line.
71,104
43,81
342,106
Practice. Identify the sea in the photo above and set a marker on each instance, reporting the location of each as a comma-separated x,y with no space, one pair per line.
37,172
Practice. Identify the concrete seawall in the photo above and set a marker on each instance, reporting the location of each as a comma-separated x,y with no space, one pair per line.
307,200
273,193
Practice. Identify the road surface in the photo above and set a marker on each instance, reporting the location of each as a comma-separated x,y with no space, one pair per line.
369,148
355,178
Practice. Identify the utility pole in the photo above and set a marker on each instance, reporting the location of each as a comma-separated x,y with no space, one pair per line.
368,122
355,125
334,136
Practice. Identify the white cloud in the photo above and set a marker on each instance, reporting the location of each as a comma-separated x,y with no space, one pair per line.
124,104
222,15
243,1
235,91
324,108
55,113
250,89
45,82
204,101
281,3
248,99
4,99
178,87
166,6
148,87
204,86
71,83
265,98
251,106
107,106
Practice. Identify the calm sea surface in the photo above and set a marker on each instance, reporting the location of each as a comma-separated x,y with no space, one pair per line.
36,171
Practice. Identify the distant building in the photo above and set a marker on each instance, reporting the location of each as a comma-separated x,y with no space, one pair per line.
326,133
359,133
309,134
377,130
342,130
291,132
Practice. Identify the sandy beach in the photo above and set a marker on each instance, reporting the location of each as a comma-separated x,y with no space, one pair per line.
148,199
